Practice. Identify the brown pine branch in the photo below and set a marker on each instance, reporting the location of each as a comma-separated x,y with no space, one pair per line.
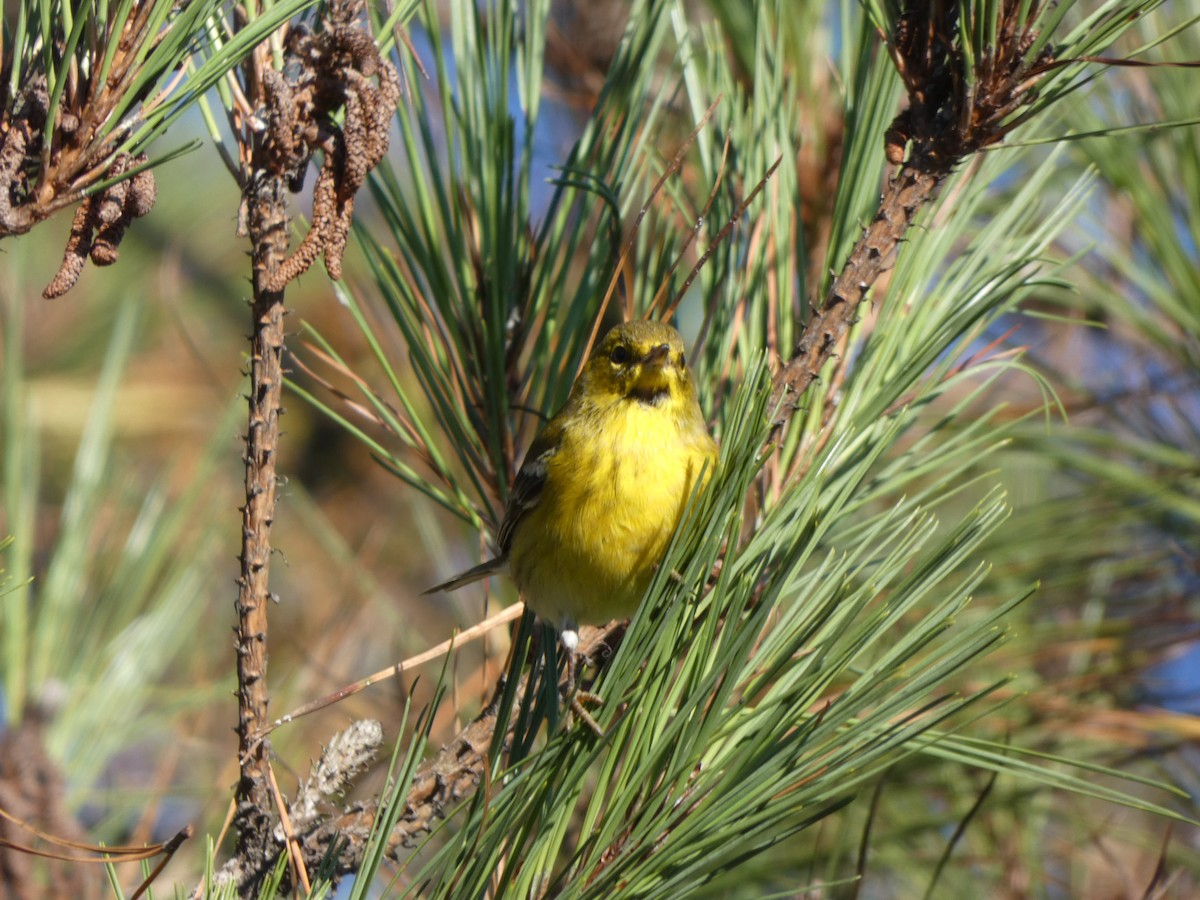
267,224
327,70
952,113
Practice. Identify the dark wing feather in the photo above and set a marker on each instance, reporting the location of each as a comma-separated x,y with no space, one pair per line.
477,573
527,487
526,492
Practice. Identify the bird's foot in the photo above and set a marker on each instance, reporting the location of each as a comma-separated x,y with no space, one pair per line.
576,699
579,701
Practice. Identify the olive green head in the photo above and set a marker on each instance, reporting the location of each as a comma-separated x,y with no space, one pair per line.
642,361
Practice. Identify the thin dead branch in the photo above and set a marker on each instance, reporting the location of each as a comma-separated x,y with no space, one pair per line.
325,70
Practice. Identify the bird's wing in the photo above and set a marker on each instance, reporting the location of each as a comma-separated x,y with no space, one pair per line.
483,570
526,492
528,485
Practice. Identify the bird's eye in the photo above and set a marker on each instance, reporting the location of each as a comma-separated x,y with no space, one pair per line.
619,354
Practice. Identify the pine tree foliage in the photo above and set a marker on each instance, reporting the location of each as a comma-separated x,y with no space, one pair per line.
797,650
870,660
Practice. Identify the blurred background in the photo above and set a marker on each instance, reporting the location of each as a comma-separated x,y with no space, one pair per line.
123,410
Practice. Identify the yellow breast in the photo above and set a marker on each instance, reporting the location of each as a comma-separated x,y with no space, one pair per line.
613,497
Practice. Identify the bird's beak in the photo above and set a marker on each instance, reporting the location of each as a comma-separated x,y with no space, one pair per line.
652,378
658,356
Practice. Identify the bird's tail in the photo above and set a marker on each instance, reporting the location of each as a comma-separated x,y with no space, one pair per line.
483,570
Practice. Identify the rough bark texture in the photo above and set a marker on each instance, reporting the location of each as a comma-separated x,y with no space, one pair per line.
328,70
267,223
873,254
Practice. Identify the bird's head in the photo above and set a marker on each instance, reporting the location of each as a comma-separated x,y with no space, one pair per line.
639,361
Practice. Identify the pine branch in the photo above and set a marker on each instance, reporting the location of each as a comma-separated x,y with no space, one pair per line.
331,69
267,224
955,109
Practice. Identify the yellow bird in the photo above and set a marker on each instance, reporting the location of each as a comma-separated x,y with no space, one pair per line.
604,484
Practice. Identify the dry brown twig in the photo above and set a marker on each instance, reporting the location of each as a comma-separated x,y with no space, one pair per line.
325,70
508,614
